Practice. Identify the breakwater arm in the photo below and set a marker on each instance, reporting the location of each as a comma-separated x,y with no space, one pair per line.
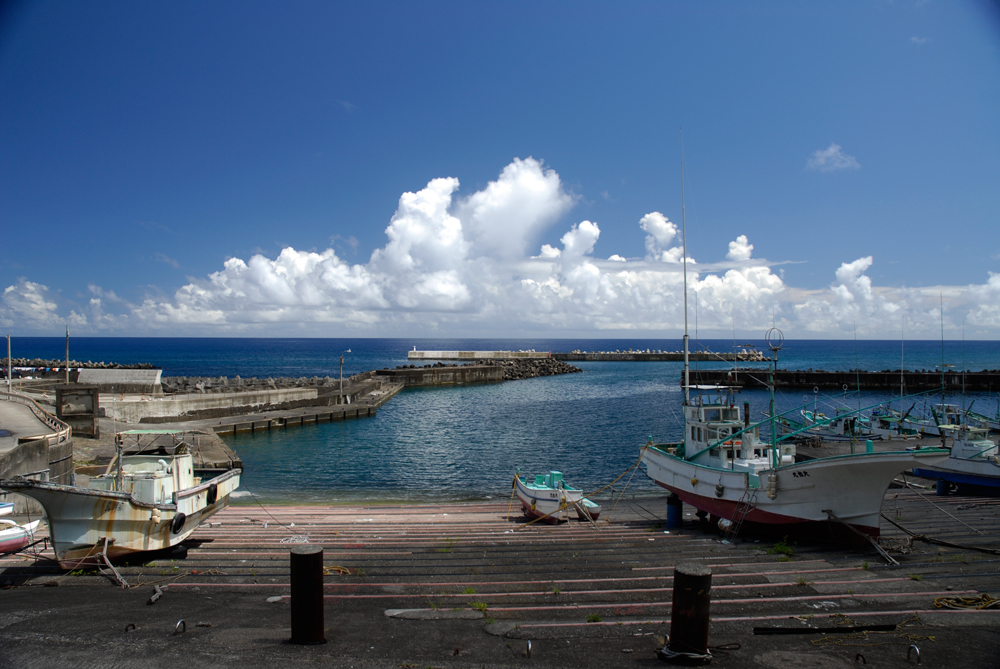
913,381
509,369
746,355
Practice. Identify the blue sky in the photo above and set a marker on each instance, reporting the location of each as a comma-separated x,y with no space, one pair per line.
241,168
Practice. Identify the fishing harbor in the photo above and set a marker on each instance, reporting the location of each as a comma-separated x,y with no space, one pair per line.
473,582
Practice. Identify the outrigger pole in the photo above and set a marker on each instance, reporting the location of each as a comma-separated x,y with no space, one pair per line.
684,239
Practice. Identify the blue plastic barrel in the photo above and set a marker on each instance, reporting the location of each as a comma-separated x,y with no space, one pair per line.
675,511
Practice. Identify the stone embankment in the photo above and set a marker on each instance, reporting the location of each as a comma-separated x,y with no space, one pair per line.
529,369
325,385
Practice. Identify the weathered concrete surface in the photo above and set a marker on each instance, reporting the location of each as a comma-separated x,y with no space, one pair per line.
404,583
122,380
137,409
21,422
30,445
431,375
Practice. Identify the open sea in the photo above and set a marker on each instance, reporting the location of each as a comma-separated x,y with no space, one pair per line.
465,442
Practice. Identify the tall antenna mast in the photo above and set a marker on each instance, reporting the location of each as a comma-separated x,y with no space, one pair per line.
684,239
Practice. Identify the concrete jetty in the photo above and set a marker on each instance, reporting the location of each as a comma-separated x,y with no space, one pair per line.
460,585
491,370
747,355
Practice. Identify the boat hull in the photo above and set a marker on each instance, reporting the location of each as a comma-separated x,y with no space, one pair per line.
84,523
546,502
14,537
849,487
970,476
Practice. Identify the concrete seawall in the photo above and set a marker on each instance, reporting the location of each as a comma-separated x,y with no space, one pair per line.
988,381
444,376
136,409
590,356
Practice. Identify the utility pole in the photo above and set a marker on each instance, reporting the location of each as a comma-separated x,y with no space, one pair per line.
67,354
8,363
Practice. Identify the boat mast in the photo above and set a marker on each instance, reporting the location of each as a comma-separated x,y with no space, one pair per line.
684,239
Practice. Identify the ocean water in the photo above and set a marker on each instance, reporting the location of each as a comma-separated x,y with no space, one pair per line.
464,443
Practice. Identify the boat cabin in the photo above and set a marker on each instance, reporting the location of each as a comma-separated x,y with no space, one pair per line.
972,443
151,479
712,426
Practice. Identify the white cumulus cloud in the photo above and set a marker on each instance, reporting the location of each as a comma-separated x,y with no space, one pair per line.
831,159
462,266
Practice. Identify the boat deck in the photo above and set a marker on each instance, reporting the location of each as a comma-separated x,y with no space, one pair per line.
417,582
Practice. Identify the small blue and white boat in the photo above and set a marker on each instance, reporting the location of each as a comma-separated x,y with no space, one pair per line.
549,496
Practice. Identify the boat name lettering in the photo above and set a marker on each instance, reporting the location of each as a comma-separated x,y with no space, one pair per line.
800,474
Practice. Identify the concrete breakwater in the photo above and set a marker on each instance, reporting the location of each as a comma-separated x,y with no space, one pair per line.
208,384
913,381
647,355
489,371
659,356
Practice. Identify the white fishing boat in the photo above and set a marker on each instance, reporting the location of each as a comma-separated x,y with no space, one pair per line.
845,425
14,537
722,467
551,498
973,467
945,420
144,502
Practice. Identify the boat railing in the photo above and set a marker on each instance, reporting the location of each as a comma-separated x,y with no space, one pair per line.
188,492
794,433
62,431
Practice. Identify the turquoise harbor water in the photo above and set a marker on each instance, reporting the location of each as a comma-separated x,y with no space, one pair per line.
464,443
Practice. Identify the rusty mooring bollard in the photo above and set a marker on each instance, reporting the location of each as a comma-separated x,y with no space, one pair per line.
689,615
307,595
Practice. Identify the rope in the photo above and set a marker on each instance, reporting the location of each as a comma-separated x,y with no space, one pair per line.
293,538
335,570
980,603
939,542
680,657
905,637
907,483
633,468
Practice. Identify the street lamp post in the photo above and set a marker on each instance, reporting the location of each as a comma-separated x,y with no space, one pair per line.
341,398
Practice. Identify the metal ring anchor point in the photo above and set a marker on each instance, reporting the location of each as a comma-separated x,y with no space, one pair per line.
909,650
528,651
180,627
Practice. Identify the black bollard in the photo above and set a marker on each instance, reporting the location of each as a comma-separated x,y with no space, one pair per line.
689,615
307,595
